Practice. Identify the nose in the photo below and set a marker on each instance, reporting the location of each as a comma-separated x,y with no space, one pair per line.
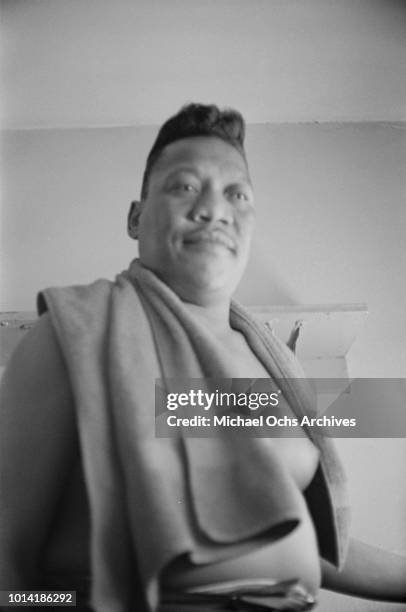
211,207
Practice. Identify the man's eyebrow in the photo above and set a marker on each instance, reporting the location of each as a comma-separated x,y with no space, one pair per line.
184,168
241,178
242,182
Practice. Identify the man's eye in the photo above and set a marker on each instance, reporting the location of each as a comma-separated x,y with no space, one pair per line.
240,196
187,187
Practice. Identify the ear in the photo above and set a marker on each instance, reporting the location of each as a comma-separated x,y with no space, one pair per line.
133,219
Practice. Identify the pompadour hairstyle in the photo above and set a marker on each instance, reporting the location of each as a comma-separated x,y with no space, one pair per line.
196,120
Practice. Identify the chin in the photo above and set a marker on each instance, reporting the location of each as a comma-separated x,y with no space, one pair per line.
200,276
212,281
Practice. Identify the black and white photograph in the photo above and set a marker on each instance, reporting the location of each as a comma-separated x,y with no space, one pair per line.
203,305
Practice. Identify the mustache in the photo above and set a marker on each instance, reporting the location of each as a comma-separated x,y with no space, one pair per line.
215,236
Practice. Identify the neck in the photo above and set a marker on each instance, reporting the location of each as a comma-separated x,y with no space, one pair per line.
215,316
212,308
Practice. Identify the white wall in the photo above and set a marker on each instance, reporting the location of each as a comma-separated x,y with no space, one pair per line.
331,228
81,63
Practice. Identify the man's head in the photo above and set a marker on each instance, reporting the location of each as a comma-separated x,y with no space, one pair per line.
194,219
196,120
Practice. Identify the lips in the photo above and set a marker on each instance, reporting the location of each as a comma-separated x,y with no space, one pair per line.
215,237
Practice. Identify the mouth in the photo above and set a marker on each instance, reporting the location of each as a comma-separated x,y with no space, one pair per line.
208,238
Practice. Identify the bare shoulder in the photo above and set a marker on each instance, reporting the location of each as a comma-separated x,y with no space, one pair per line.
38,444
37,425
36,369
37,411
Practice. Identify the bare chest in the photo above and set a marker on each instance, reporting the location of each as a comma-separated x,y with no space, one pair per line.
297,452
243,363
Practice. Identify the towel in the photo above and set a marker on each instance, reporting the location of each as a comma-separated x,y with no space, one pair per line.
152,499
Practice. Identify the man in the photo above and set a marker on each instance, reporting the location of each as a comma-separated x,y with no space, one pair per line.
89,494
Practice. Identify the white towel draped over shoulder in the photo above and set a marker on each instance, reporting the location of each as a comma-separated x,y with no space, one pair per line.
117,338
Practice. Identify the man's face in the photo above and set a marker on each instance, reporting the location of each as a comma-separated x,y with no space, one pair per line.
196,223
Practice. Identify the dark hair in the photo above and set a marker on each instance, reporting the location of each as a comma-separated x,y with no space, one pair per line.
196,120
